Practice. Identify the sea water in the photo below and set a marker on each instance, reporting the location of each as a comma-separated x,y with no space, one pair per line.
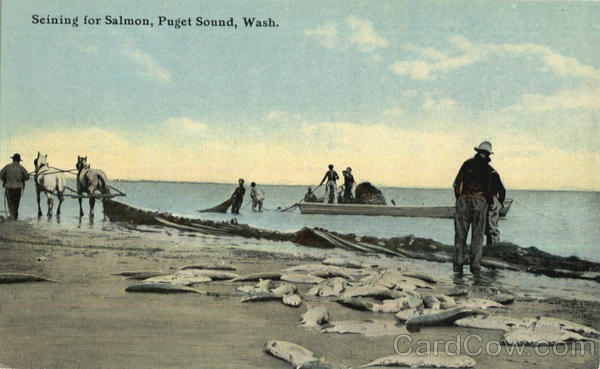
560,222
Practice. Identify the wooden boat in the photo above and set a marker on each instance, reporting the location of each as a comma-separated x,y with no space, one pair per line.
386,210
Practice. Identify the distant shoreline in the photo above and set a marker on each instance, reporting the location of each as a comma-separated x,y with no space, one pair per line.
449,188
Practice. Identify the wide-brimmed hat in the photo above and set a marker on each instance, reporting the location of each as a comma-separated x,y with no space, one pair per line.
484,146
16,157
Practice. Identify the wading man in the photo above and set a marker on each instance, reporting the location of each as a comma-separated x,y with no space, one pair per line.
238,197
257,195
331,176
13,178
473,191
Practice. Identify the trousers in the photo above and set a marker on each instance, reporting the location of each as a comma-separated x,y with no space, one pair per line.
470,213
330,190
492,231
13,199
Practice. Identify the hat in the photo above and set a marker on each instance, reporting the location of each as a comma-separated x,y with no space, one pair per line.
16,157
241,180
349,169
484,146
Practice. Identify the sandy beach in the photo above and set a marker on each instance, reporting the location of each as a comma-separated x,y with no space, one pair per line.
86,319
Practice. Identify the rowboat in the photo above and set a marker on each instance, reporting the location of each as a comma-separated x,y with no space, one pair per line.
386,210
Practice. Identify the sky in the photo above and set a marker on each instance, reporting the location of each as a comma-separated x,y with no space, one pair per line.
400,91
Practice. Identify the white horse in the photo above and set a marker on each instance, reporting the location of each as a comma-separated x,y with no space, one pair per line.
88,181
48,181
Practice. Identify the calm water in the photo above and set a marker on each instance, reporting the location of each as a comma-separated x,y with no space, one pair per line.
563,223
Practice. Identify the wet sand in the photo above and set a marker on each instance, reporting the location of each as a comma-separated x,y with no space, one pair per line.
87,320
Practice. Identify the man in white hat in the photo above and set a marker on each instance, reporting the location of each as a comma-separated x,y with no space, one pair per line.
473,191
13,178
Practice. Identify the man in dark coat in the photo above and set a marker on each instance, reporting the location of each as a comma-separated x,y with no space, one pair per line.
348,184
473,192
238,197
13,178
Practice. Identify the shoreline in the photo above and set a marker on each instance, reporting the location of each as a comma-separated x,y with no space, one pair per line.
87,318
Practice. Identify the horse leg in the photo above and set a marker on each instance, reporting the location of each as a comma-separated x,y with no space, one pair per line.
92,202
50,203
61,198
80,208
37,192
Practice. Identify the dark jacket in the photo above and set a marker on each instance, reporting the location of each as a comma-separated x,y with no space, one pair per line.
476,176
14,175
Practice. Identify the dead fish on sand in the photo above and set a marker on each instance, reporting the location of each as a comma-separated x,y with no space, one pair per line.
264,284
217,275
301,278
565,325
473,303
216,266
441,318
374,291
329,287
260,297
179,279
290,353
423,277
503,298
431,302
141,274
357,304
22,278
367,328
396,305
249,290
346,263
160,288
292,300
314,316
457,291
541,335
257,276
327,273
284,289
413,360
498,322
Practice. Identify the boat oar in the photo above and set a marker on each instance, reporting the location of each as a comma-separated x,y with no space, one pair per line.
296,204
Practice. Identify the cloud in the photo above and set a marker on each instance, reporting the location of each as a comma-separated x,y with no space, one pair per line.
363,34
326,34
433,62
185,125
148,67
355,32
564,100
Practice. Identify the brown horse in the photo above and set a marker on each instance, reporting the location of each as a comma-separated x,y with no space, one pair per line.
88,181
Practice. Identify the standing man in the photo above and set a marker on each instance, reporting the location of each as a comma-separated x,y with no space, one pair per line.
473,190
348,184
13,178
257,195
496,203
331,176
238,197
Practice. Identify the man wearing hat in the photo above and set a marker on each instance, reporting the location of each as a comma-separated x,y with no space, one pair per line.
13,178
473,189
348,184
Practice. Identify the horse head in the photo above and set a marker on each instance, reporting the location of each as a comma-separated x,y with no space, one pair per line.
40,161
81,163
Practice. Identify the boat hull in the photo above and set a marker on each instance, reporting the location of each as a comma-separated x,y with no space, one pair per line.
386,210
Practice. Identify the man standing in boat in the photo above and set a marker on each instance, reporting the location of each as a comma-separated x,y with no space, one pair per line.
348,184
331,176
13,178
238,197
473,192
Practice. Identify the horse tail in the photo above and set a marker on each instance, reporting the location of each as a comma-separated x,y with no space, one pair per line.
103,182
60,183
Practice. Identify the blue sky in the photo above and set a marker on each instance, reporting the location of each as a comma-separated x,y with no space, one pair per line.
400,91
